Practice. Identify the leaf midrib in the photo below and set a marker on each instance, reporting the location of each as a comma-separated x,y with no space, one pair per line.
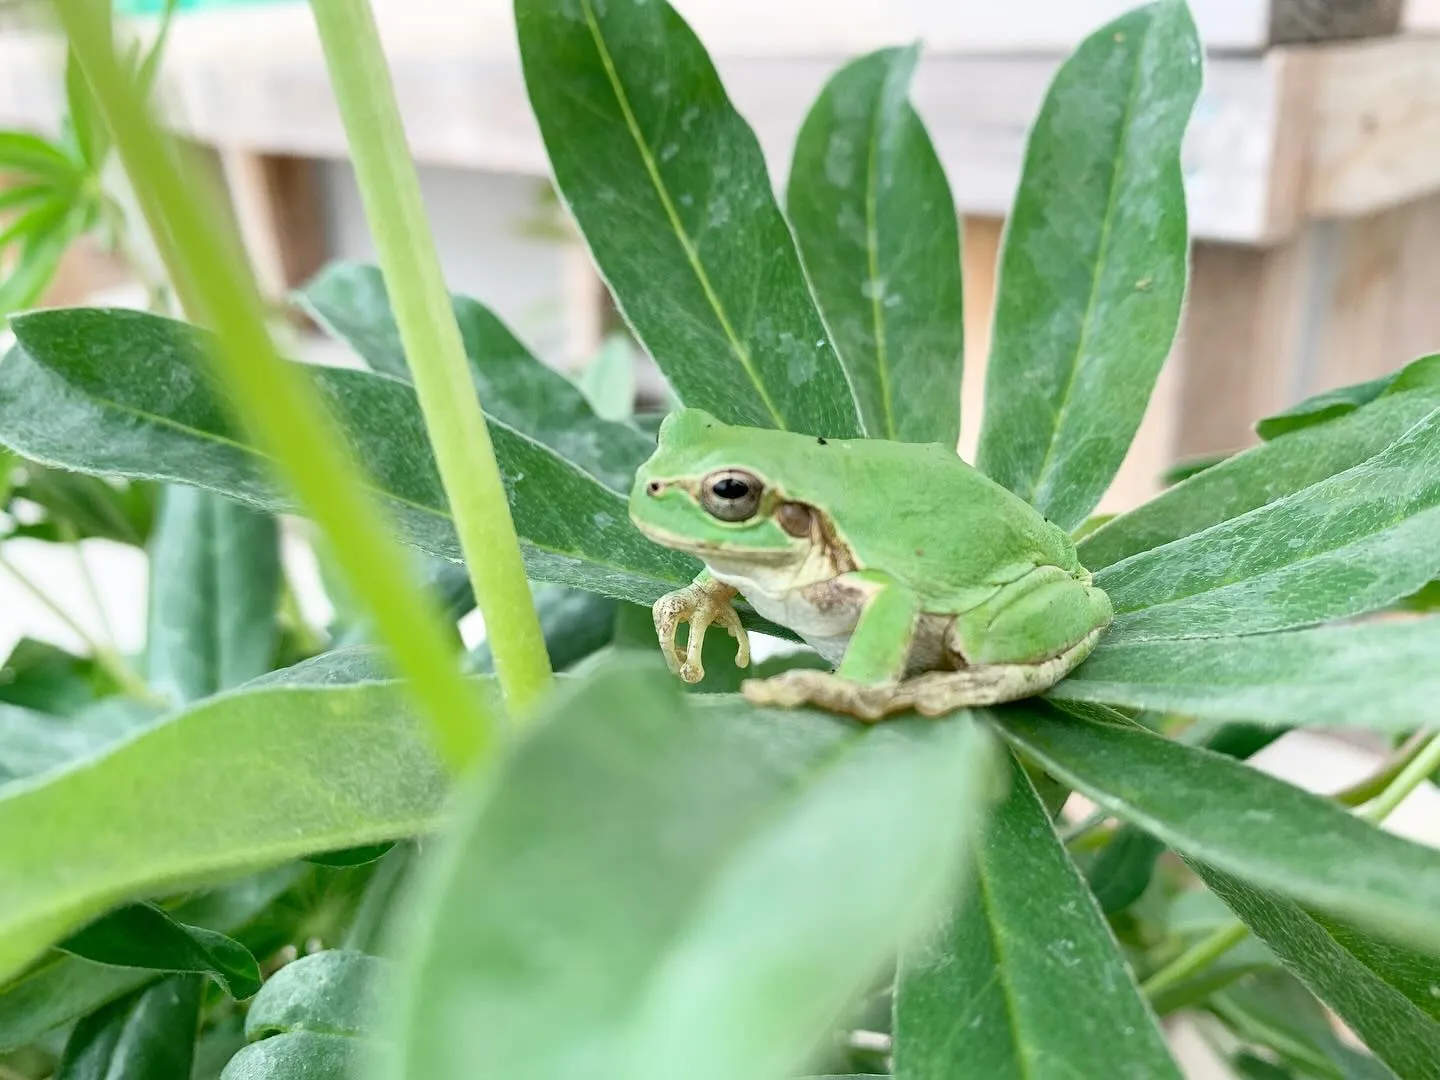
742,354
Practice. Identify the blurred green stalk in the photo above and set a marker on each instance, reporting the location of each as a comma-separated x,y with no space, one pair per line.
434,349
287,418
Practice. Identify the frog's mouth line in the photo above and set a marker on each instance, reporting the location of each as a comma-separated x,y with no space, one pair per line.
701,548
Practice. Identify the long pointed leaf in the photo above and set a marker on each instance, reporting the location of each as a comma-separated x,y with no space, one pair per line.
1094,265
1352,543
301,769
142,381
1392,1025
670,189
1383,676
1343,400
1214,808
587,912
518,390
1255,478
878,230
213,603
995,993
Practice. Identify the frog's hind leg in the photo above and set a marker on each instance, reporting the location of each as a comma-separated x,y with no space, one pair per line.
1032,634
938,692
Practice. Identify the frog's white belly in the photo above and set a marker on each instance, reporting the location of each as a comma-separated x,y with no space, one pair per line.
824,615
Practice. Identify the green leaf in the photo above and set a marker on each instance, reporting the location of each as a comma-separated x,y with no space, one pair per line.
92,137
47,679
145,936
22,196
34,743
1214,808
150,1036
30,154
142,381
1191,467
1377,675
1350,544
608,381
302,769
349,300
304,1055
668,184
880,239
995,993
1094,265
791,830
86,507
39,221
1343,400
35,268
213,605
63,987
1121,873
330,991
1256,478
1396,1031
1275,1010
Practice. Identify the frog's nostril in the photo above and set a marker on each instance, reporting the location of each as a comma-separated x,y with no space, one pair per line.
654,487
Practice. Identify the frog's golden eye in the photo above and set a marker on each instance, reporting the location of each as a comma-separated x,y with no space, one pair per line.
731,494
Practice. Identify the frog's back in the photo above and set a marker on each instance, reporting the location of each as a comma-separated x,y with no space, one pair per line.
923,514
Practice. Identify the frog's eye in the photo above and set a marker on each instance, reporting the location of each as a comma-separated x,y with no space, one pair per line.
731,494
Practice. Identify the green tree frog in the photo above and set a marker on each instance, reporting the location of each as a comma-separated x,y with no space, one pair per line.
928,585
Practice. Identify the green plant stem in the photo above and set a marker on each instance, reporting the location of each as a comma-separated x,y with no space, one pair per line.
1424,762
108,658
282,410
1220,941
390,190
1194,959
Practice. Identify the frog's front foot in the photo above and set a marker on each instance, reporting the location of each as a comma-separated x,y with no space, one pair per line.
701,603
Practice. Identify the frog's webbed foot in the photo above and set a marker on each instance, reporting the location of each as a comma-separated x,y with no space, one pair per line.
933,693
702,603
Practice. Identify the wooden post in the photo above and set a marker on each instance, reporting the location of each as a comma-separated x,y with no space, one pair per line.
277,207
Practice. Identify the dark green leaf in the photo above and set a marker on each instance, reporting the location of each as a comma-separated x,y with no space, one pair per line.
145,936
575,623
1352,543
1121,873
302,769
1191,467
880,239
995,994
1093,270
1415,975
789,830
516,389
304,1055
1214,808
351,856
669,187
330,991
1425,599
62,987
1255,478
1325,407
150,1036
1398,1032
142,383
1379,675
213,605
1249,1067
46,678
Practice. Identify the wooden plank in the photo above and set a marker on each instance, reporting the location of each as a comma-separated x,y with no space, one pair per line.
1332,20
1376,126
276,201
